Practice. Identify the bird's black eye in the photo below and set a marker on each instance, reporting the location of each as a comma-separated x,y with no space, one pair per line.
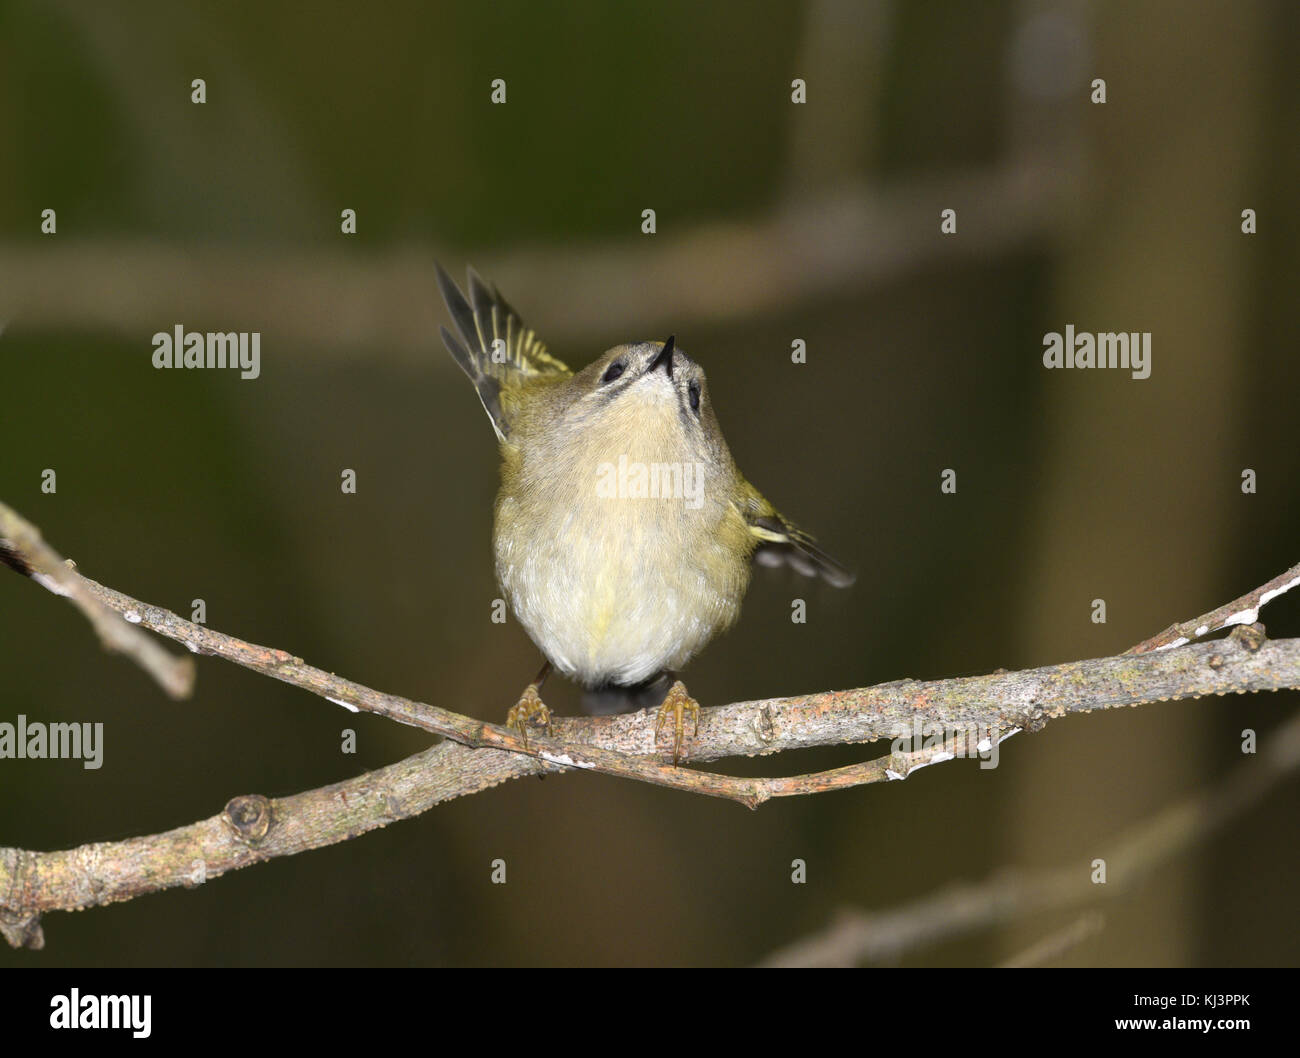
613,371
694,391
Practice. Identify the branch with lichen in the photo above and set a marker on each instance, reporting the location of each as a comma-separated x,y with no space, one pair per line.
480,755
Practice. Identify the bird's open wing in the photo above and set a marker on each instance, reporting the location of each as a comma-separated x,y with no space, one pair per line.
494,348
779,542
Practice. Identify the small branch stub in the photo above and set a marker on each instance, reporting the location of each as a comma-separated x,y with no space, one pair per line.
249,817
23,931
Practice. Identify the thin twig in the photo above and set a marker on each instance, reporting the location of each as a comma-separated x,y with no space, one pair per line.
22,548
1242,611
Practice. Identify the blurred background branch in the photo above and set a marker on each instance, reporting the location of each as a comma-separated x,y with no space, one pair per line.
326,303
856,937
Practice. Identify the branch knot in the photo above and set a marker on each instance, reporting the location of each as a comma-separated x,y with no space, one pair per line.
1249,636
249,817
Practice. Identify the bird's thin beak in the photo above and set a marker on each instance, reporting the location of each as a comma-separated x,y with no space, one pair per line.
665,357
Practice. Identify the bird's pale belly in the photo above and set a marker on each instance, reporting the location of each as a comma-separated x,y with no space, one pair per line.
617,599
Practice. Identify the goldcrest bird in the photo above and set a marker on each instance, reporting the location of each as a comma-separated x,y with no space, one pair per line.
624,533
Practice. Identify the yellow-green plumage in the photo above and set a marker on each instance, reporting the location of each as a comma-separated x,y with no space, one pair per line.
612,585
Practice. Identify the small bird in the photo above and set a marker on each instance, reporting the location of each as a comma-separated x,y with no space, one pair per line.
624,532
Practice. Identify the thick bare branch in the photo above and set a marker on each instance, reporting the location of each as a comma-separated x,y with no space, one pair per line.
1002,702
254,829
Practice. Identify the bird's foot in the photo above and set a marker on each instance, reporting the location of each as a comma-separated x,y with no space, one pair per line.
676,705
530,709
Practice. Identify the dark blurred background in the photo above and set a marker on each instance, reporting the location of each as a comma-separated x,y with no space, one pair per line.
776,221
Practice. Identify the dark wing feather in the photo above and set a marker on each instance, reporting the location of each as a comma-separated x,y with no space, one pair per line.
494,348
779,542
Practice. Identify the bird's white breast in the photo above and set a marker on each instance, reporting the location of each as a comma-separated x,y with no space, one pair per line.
614,586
